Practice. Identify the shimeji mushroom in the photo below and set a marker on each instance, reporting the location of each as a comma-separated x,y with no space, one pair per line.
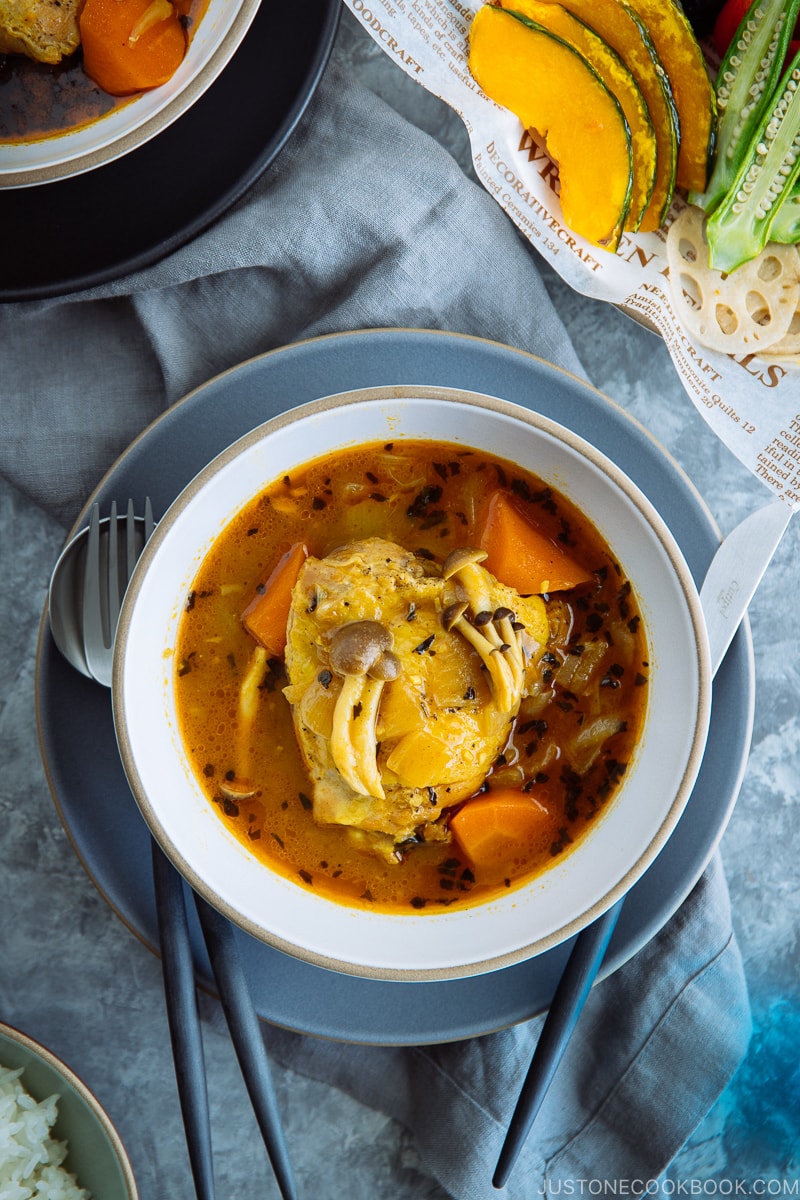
493,633
361,652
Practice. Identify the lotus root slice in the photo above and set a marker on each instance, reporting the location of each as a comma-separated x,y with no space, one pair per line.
751,309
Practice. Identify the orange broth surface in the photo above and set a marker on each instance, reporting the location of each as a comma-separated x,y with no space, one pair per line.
428,497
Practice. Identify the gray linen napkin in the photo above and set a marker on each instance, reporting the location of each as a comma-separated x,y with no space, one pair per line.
367,222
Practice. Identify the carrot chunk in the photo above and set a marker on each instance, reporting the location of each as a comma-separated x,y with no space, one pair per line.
131,45
267,614
522,557
494,828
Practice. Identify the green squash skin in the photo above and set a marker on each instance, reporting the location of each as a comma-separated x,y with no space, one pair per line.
634,219
615,235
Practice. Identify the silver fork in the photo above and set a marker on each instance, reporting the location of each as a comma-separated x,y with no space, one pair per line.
106,576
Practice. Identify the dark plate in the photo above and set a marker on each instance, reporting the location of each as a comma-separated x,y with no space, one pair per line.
90,788
79,232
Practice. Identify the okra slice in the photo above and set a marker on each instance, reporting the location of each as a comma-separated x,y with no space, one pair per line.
739,228
786,226
745,83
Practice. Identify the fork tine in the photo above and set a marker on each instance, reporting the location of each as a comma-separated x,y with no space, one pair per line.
107,570
149,523
92,607
130,541
112,576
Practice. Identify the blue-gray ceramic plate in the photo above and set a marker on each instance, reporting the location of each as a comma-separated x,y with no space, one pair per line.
101,816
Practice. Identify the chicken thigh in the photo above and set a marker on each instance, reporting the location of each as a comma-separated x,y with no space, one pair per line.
45,30
405,676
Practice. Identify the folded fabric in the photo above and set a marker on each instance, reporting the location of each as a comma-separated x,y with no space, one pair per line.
366,222
363,222
656,1043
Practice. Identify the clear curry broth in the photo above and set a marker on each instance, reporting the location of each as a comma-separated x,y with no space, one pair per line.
428,497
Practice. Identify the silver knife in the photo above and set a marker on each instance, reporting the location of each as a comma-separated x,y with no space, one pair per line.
733,575
735,572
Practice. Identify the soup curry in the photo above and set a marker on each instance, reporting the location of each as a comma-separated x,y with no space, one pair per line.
410,675
42,97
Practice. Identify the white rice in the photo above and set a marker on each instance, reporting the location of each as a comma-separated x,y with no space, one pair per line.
30,1159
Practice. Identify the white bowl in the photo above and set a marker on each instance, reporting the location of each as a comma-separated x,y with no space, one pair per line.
95,1156
215,39
529,919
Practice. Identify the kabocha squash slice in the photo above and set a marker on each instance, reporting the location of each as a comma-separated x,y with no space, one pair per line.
618,80
621,29
747,77
556,92
683,61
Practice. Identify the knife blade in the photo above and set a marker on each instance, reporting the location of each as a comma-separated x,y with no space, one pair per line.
735,572
730,583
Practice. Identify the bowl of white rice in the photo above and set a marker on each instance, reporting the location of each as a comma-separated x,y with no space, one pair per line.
56,1140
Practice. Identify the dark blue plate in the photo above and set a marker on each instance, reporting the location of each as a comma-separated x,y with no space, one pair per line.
77,733
79,232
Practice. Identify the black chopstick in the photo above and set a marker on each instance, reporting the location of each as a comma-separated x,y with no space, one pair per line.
574,986
184,1020
247,1038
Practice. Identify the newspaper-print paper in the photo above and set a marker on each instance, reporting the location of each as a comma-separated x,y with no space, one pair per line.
752,403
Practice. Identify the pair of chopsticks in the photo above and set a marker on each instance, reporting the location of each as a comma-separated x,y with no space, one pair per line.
185,1032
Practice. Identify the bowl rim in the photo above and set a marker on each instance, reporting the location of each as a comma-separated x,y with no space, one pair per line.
700,658
165,107
29,1044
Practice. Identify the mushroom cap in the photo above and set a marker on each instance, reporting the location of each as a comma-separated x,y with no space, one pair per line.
386,667
454,612
357,646
462,556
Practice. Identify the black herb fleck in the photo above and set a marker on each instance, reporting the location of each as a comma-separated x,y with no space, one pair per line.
421,504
